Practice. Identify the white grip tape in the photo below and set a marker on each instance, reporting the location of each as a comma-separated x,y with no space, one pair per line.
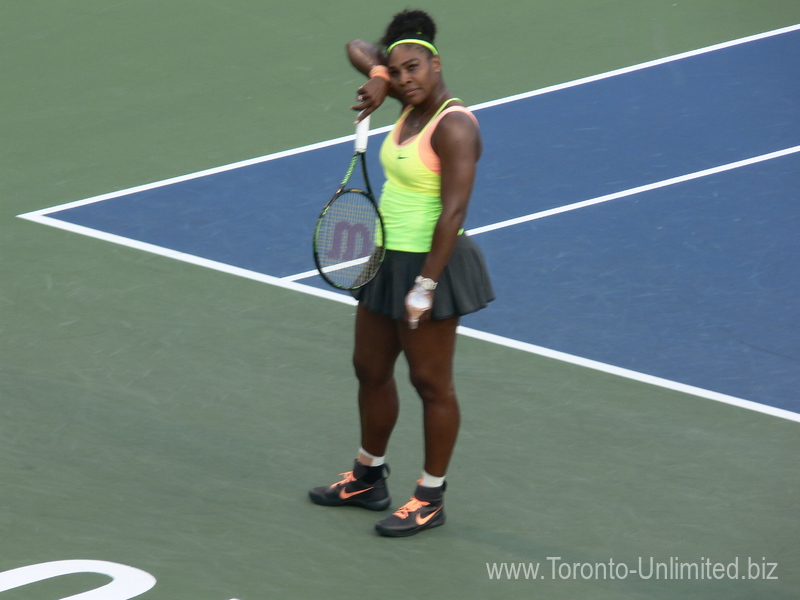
362,134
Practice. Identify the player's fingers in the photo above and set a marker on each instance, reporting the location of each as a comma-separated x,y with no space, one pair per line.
365,109
370,96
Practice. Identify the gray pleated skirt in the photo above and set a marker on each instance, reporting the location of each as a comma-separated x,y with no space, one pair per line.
463,288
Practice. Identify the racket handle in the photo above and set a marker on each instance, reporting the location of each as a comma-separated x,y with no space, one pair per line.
362,134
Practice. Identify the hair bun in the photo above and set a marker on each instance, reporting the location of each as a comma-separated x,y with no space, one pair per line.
410,24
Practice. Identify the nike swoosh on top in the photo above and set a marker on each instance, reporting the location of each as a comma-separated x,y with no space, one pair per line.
345,495
423,520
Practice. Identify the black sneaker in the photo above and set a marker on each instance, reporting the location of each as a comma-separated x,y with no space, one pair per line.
363,486
425,510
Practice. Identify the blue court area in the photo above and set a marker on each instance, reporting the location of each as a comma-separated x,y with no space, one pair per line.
696,281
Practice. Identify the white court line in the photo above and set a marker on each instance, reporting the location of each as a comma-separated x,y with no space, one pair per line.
637,190
639,67
40,216
628,374
188,258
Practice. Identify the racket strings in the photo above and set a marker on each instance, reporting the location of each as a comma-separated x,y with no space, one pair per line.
348,242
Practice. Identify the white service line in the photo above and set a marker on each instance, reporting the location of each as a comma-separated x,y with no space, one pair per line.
637,190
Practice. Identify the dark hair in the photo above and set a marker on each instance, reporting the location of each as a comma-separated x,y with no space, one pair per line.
410,25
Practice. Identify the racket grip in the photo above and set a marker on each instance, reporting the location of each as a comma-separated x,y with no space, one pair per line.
362,134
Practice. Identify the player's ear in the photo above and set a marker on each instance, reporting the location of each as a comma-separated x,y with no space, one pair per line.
437,64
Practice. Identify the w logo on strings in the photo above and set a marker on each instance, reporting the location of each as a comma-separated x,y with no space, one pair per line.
350,241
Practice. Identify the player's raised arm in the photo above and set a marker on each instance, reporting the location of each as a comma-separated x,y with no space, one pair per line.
369,59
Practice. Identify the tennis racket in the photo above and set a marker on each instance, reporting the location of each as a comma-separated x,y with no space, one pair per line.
348,236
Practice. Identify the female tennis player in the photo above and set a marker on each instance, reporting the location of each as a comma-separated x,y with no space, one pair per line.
432,273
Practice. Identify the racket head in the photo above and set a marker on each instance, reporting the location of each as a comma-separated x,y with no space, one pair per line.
348,240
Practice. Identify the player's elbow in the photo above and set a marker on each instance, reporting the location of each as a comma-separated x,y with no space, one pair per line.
453,216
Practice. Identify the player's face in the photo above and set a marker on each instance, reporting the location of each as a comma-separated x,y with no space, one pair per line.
414,72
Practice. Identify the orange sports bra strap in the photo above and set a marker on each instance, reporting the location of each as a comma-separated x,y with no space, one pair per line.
451,109
408,108
426,153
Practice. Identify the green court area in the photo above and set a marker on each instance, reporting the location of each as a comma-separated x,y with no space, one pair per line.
171,418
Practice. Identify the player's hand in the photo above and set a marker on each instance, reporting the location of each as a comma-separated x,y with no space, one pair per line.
370,96
418,305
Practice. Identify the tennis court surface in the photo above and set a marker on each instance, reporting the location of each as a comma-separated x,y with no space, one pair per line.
668,197
630,400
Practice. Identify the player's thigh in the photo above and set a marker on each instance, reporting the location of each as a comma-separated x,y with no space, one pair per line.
429,350
377,346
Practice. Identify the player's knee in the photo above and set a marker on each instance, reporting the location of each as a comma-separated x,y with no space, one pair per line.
369,372
432,387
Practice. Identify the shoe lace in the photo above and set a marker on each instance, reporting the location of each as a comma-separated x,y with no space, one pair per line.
409,507
348,477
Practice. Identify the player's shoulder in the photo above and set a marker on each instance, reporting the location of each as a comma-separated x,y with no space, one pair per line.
457,117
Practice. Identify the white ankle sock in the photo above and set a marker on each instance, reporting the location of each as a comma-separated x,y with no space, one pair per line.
370,460
429,480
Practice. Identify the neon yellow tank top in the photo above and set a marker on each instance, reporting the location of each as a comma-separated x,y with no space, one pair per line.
411,198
